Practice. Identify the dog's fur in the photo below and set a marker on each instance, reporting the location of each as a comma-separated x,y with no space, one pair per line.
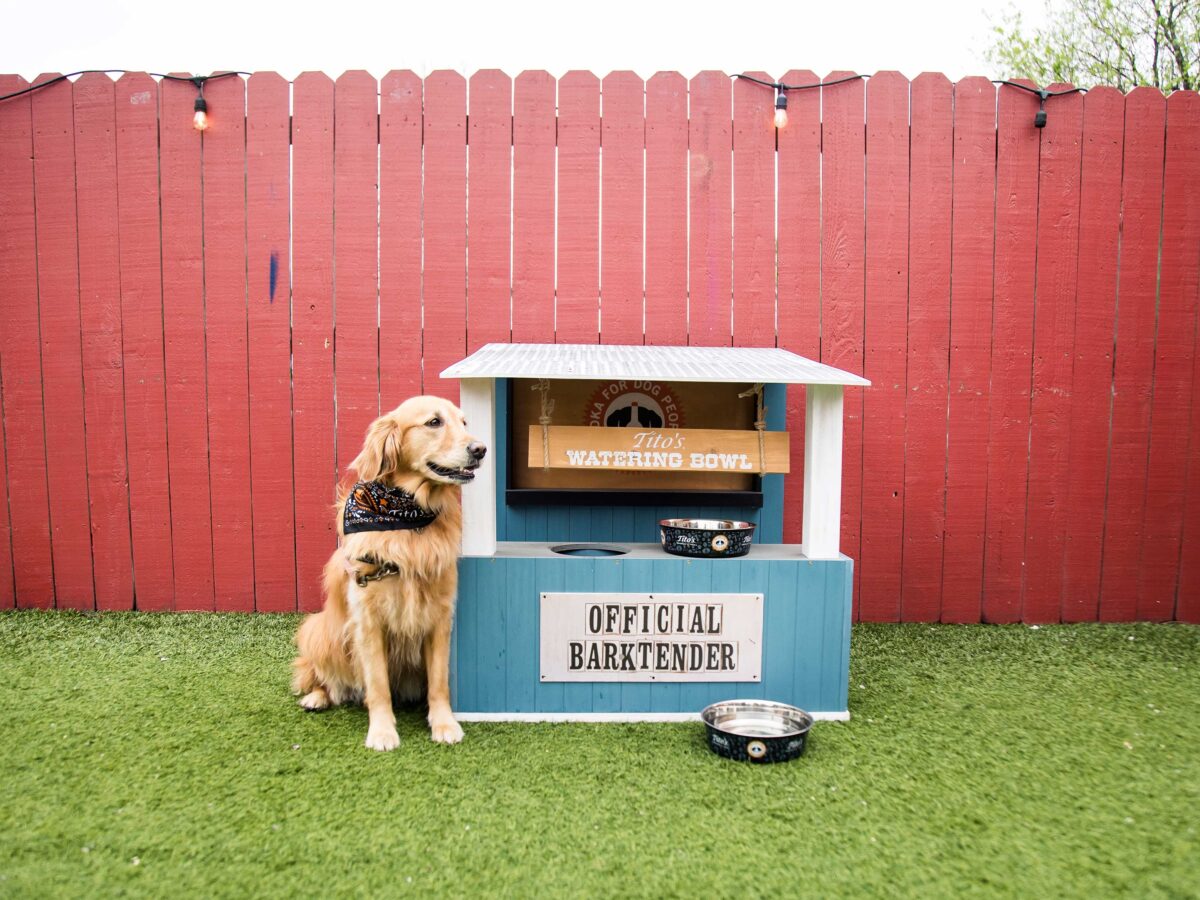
393,635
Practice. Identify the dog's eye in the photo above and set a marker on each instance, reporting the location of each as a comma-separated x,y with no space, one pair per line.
435,422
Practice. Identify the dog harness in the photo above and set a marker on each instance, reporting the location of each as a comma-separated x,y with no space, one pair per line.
372,506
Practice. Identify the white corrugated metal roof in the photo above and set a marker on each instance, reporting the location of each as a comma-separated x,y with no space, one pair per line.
769,365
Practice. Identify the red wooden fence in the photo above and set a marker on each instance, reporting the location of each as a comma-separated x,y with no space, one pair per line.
197,328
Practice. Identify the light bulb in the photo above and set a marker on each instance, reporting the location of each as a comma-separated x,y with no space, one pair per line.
780,108
200,119
780,118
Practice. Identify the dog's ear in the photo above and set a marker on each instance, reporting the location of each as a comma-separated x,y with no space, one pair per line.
379,452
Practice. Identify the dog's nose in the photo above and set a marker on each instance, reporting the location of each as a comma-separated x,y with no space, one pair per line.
477,450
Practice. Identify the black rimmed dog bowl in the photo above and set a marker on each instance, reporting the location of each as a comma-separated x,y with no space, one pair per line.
760,731
706,537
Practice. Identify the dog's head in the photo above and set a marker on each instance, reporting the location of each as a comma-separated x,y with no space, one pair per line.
424,438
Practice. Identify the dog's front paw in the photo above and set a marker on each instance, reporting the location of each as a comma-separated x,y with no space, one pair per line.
383,738
446,732
315,700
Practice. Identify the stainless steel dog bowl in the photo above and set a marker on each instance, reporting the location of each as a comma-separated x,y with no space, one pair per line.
756,730
705,537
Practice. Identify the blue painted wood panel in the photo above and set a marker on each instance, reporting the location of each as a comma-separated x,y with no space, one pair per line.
806,632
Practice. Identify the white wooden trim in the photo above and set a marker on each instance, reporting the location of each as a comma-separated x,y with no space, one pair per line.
478,403
843,716
822,517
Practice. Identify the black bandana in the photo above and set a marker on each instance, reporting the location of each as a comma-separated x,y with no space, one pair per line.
372,506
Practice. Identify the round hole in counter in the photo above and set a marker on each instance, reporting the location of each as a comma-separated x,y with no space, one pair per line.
590,549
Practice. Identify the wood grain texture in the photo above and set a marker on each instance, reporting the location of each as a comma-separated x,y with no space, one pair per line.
100,306
710,189
842,286
666,208
885,354
623,138
1012,348
400,124
1053,350
972,246
61,352
686,442
445,290
1174,361
27,510
1133,369
753,213
930,199
534,134
1086,485
268,265
224,164
577,308
489,145
798,254
315,470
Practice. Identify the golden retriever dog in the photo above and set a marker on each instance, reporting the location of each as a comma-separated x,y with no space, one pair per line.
384,630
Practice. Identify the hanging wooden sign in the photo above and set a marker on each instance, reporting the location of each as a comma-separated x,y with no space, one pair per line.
662,450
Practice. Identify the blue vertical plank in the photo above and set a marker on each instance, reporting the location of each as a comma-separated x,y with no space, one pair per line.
838,605
456,629
580,527
464,636
522,663
666,578
809,635
779,625
770,520
622,525
549,576
581,578
601,526
636,578
491,647
606,695
558,525
753,581
697,579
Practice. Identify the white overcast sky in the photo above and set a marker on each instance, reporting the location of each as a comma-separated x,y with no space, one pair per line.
643,35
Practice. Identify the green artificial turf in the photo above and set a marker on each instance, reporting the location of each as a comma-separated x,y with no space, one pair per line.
160,755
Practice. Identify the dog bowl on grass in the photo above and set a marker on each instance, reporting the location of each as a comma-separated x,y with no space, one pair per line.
759,731
706,537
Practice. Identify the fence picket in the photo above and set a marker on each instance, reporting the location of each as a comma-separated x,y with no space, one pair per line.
753,213
534,128
842,286
972,246
269,309
27,511
1174,354
61,352
623,138
1053,340
314,467
489,148
445,228
399,238
1133,369
1012,346
577,306
930,192
884,358
710,140
798,260
666,208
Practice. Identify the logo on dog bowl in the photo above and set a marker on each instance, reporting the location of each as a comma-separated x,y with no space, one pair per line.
756,749
720,543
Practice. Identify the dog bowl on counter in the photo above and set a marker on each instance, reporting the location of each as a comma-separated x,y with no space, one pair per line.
706,537
759,731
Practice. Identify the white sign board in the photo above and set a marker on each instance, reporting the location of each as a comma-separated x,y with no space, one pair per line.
651,637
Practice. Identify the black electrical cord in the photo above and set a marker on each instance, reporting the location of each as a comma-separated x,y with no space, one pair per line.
780,86
197,80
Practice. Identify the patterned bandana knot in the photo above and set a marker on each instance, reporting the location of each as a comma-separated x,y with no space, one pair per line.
372,506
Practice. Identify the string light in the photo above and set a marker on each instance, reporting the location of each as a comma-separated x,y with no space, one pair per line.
781,89
780,109
200,119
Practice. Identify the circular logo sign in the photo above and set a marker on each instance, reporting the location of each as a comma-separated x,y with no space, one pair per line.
634,404
756,749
